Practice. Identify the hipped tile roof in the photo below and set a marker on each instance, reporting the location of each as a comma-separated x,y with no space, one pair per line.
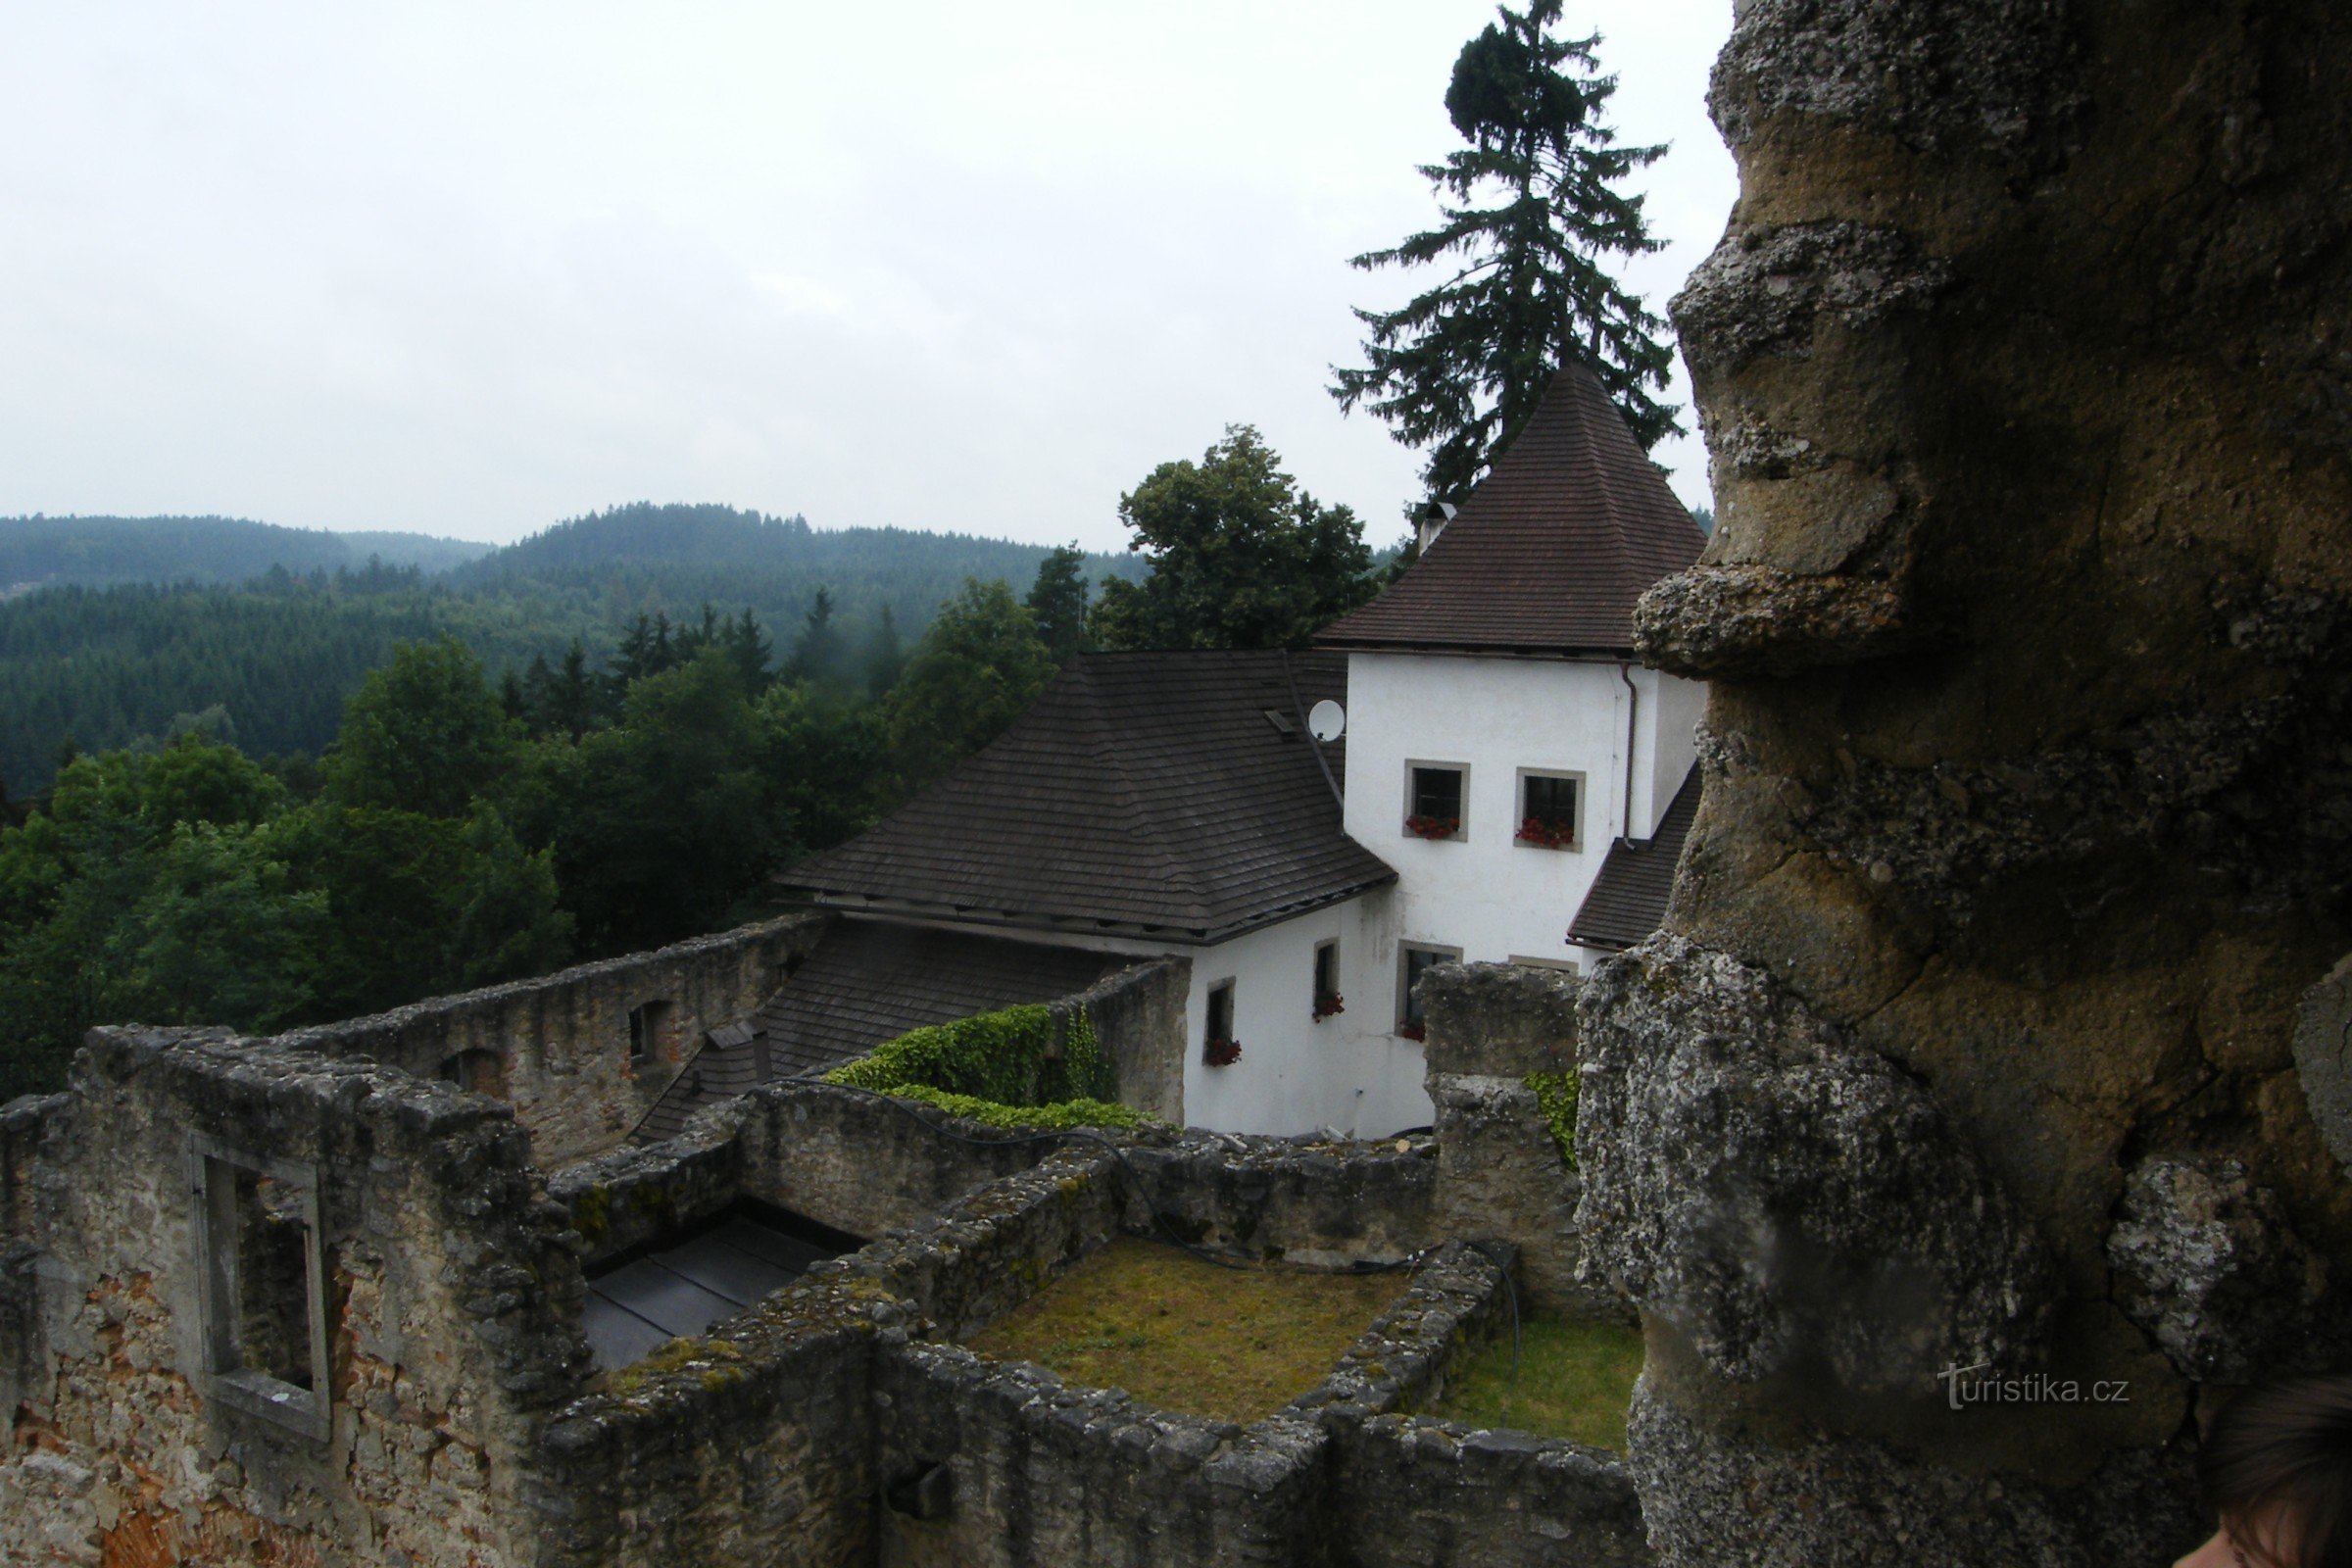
1550,552
1627,901
869,981
1169,795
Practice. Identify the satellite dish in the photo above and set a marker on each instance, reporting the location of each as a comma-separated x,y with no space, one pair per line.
1327,720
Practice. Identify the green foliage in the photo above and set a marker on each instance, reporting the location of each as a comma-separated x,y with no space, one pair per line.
1057,603
1556,1096
1239,555
1529,210
977,669
423,734
1007,1057
1059,1117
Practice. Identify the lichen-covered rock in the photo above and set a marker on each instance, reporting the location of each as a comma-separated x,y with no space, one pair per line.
1715,621
1782,1198
1764,288
1714,1496
2324,1059
2210,1265
1996,76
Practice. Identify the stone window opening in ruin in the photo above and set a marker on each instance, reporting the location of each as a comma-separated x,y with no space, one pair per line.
478,1072
1436,800
1218,1047
264,1301
1324,998
1415,959
1550,810
649,1031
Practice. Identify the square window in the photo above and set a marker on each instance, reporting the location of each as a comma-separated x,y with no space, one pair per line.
1324,997
1415,959
263,1302
1550,807
1218,1048
1436,796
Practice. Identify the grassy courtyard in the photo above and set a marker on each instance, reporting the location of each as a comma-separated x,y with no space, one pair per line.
1185,1335
1575,1381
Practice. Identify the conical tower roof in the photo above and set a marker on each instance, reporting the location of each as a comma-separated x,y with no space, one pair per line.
1550,550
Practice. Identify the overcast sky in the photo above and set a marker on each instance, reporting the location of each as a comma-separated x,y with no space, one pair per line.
471,269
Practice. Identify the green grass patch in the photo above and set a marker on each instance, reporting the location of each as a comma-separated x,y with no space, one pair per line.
1576,1379
1232,1344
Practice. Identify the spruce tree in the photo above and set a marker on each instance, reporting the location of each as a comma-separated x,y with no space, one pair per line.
1057,599
1531,211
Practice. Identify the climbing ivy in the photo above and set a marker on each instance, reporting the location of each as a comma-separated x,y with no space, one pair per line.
1000,1068
1057,1118
1555,1096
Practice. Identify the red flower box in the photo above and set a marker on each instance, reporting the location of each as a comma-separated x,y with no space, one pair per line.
1412,1031
1222,1053
1548,835
1329,1003
1433,827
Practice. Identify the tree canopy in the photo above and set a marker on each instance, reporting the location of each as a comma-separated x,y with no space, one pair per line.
1240,556
1531,211
977,667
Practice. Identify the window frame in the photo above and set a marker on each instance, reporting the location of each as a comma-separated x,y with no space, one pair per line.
1564,965
1229,990
213,1167
1316,992
1404,984
1520,816
1461,827
649,1025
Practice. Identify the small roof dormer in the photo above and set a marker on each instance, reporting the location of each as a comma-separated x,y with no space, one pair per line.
1547,555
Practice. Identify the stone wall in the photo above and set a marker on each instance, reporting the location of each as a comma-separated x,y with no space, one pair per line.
561,1043
449,1306
2025,370
1413,1492
1500,1173
1139,1024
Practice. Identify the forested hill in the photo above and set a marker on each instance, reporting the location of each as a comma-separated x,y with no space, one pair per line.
99,552
679,557
269,662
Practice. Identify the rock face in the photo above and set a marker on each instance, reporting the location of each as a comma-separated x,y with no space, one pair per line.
1998,1017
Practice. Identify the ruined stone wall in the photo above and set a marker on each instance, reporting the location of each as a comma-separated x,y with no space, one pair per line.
448,1309
1139,1021
1500,1173
561,1043
2028,817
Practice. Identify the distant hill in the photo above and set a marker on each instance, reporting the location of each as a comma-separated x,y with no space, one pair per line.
106,659
42,552
675,558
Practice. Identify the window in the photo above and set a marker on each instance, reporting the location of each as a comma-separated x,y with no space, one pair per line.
1325,997
1549,810
263,1301
649,1031
480,1072
1218,1048
1435,795
1414,961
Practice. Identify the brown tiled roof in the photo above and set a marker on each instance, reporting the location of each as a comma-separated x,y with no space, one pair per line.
1548,553
1628,899
867,982
1170,795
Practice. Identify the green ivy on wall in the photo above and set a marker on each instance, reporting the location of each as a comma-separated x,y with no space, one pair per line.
1001,1068
1556,1096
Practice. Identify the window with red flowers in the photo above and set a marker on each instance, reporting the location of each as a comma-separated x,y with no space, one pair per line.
1550,810
1325,994
1437,796
1218,1047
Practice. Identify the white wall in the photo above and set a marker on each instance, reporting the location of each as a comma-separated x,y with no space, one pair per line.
1297,1074
1487,894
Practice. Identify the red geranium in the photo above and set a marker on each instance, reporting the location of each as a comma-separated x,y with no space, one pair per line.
1222,1053
1433,827
1552,834
1329,1003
